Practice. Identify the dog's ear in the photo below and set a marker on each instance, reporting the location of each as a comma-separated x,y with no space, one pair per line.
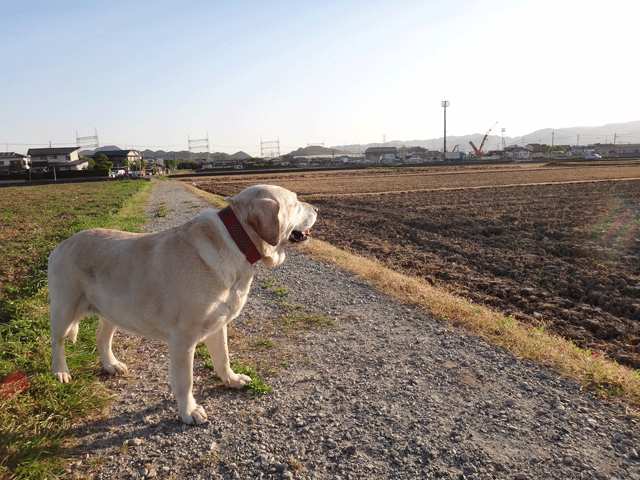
264,220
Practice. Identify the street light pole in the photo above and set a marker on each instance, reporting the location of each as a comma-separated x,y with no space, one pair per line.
445,104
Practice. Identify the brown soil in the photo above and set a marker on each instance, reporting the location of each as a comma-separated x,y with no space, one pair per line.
563,256
560,256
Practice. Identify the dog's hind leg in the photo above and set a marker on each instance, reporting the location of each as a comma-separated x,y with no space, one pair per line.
219,351
104,341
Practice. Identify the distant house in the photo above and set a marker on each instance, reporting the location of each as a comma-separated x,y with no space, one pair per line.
417,152
622,150
60,158
12,162
381,154
155,166
535,148
121,158
434,156
516,153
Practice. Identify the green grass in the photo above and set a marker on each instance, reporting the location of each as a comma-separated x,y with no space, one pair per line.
299,320
269,284
263,344
257,385
35,426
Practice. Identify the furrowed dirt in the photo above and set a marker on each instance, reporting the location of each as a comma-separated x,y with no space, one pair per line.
549,251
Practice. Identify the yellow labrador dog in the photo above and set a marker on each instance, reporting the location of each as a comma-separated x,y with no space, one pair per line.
181,286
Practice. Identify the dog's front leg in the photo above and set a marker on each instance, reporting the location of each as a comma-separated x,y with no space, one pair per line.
219,351
181,381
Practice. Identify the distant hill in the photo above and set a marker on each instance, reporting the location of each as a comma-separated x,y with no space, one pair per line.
628,132
86,153
240,156
164,155
318,150
182,154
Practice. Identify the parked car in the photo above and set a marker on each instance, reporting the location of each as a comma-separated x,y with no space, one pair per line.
593,156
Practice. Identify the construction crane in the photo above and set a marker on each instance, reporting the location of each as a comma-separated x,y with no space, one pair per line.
478,151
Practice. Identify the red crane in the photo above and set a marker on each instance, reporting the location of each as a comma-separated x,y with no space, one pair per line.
478,151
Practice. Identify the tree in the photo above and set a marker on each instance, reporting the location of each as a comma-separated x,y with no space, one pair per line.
188,165
101,162
171,163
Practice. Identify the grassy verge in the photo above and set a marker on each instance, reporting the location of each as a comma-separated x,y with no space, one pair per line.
602,376
216,201
35,425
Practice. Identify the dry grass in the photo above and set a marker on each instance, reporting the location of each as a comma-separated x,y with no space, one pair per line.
601,375
215,200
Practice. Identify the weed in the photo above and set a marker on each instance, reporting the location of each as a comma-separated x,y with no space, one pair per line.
256,386
290,306
161,210
508,322
297,320
269,284
202,352
263,344
294,464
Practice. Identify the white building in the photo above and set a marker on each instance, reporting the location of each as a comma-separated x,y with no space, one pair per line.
60,158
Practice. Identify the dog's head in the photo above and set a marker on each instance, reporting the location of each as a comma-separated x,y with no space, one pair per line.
273,218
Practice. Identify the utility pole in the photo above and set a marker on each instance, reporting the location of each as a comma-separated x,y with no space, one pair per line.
578,140
615,136
445,104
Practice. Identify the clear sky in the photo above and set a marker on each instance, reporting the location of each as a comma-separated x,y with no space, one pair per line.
151,74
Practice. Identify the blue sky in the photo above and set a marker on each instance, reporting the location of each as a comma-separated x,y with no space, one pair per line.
152,74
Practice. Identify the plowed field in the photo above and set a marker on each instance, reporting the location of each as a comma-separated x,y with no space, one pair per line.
551,245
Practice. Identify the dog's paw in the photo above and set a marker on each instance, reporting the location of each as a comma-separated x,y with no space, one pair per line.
237,380
116,368
62,377
196,416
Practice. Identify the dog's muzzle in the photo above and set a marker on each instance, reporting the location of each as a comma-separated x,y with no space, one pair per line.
299,237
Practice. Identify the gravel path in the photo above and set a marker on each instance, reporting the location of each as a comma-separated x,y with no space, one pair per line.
387,392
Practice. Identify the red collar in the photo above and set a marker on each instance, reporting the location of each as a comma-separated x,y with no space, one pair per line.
239,235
